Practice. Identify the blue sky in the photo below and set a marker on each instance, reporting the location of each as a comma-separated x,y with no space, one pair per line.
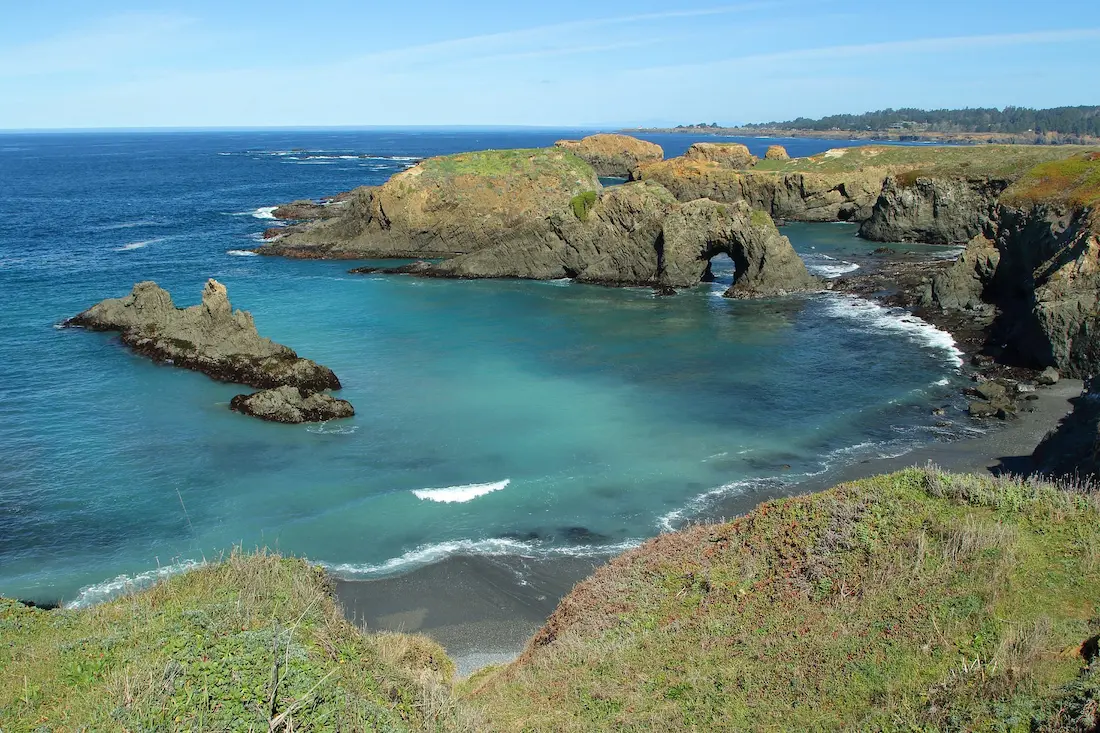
123,63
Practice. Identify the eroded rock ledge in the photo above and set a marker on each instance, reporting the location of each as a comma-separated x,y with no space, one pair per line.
289,404
542,214
209,337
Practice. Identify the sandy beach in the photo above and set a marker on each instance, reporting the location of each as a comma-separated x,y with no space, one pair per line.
483,609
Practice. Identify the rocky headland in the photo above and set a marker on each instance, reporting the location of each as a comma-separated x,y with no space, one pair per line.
1024,292
542,214
613,156
216,340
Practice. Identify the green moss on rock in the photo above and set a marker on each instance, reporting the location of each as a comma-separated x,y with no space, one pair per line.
582,204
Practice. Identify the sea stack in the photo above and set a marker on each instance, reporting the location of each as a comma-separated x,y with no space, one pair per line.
209,337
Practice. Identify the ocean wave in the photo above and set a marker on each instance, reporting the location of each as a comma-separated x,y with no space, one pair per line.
108,589
323,429
872,317
865,450
831,271
460,494
264,212
138,245
494,547
126,225
951,253
241,253
831,267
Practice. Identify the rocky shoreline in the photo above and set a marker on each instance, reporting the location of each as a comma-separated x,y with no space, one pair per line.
1024,295
223,344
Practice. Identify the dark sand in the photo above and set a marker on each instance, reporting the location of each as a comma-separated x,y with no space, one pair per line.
483,609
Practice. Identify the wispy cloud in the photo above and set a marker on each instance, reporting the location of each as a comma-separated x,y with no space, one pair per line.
551,39
110,42
900,47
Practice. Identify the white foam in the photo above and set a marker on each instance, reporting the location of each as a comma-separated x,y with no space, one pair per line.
494,547
460,494
323,429
138,245
872,317
242,253
951,253
264,212
941,382
127,225
115,587
831,271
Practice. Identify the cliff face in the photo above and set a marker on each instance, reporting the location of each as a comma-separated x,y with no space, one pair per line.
542,214
1039,266
448,206
613,155
796,196
932,210
638,234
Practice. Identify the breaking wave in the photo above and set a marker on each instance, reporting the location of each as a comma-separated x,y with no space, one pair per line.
460,494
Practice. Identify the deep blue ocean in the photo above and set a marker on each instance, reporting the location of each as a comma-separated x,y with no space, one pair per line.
502,417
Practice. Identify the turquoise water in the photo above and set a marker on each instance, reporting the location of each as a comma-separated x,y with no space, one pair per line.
498,417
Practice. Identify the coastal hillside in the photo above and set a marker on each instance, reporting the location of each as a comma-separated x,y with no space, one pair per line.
1017,125
913,601
251,643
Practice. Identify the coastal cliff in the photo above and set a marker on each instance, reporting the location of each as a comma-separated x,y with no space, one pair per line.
542,214
1036,262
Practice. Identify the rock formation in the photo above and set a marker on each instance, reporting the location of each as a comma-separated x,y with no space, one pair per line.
210,338
613,155
777,152
1037,262
448,206
542,214
795,196
638,234
288,404
734,156
933,210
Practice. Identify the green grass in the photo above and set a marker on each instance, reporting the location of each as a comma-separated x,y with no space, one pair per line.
203,651
916,601
582,203
993,160
521,162
1072,181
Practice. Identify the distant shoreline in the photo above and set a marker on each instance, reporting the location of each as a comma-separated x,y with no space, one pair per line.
871,136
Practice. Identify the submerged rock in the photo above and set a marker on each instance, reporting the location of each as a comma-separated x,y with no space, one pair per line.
289,404
210,338
613,155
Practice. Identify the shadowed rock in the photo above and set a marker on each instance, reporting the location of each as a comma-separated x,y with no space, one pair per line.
210,338
637,234
289,404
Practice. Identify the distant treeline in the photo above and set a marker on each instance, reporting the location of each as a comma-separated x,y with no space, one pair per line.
1064,120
